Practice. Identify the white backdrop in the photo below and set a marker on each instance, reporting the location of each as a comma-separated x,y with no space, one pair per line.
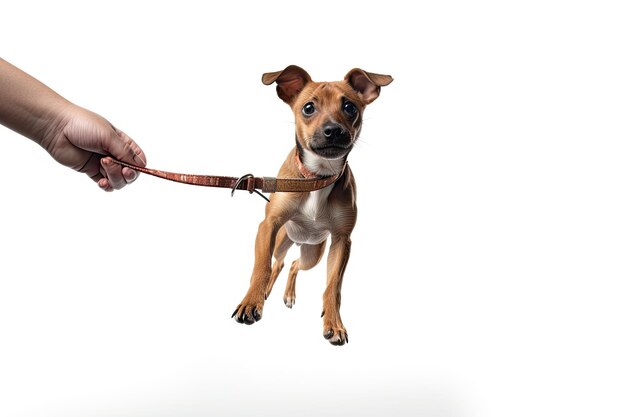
487,274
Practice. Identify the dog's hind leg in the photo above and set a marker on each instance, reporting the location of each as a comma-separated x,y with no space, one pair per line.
310,255
283,243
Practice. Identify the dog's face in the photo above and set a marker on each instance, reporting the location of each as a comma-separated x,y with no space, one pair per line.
328,114
328,118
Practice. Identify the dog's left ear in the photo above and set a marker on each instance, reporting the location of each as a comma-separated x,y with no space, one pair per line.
367,83
290,82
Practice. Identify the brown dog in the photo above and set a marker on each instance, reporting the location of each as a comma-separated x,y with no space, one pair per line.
328,122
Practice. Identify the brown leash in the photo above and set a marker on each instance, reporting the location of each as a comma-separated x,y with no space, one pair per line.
247,182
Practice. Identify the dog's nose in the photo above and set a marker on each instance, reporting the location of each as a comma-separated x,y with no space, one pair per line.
333,131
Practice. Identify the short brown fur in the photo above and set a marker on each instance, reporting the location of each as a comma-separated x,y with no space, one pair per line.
323,140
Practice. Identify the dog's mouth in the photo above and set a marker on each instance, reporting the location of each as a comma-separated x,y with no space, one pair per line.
332,151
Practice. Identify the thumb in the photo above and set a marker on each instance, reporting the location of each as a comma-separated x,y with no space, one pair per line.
122,147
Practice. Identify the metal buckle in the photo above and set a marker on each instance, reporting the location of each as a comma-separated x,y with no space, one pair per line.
250,187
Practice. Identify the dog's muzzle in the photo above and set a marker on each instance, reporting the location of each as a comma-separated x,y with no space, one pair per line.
331,141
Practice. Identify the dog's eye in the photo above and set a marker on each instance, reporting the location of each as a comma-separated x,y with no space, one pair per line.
350,108
308,109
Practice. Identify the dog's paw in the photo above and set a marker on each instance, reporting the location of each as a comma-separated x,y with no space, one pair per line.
248,313
289,300
336,335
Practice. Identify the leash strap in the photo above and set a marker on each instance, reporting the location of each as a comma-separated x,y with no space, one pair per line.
247,182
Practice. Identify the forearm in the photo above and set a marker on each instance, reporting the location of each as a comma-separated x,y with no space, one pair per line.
27,106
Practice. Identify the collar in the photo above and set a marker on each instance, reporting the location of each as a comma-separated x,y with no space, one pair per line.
302,168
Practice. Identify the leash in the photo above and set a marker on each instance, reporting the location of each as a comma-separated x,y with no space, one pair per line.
246,182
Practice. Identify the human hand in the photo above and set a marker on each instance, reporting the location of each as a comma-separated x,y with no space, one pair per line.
85,142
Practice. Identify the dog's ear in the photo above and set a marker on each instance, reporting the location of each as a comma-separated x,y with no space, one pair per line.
290,82
367,83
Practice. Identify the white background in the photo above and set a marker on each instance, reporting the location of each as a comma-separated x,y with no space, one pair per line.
487,271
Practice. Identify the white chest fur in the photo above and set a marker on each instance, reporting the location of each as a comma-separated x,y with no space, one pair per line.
313,221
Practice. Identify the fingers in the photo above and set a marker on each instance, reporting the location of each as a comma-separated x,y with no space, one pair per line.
114,176
103,183
122,147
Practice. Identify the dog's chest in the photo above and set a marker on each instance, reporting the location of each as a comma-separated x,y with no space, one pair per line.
313,221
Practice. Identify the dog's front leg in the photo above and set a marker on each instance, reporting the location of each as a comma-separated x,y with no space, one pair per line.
338,255
251,308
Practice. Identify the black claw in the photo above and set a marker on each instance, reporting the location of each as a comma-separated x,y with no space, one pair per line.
339,342
346,337
322,314
329,334
239,319
256,314
234,312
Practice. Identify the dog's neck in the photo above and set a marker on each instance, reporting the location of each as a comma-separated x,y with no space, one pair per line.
307,173
311,165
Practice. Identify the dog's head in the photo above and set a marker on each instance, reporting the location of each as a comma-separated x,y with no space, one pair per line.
328,114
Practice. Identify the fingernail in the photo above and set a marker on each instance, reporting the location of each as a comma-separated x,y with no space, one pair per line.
131,176
139,160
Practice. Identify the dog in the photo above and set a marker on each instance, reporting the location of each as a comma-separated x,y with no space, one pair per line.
328,118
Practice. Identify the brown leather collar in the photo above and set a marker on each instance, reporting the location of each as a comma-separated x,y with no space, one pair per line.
246,182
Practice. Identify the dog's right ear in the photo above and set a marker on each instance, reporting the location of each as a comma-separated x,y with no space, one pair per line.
290,82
